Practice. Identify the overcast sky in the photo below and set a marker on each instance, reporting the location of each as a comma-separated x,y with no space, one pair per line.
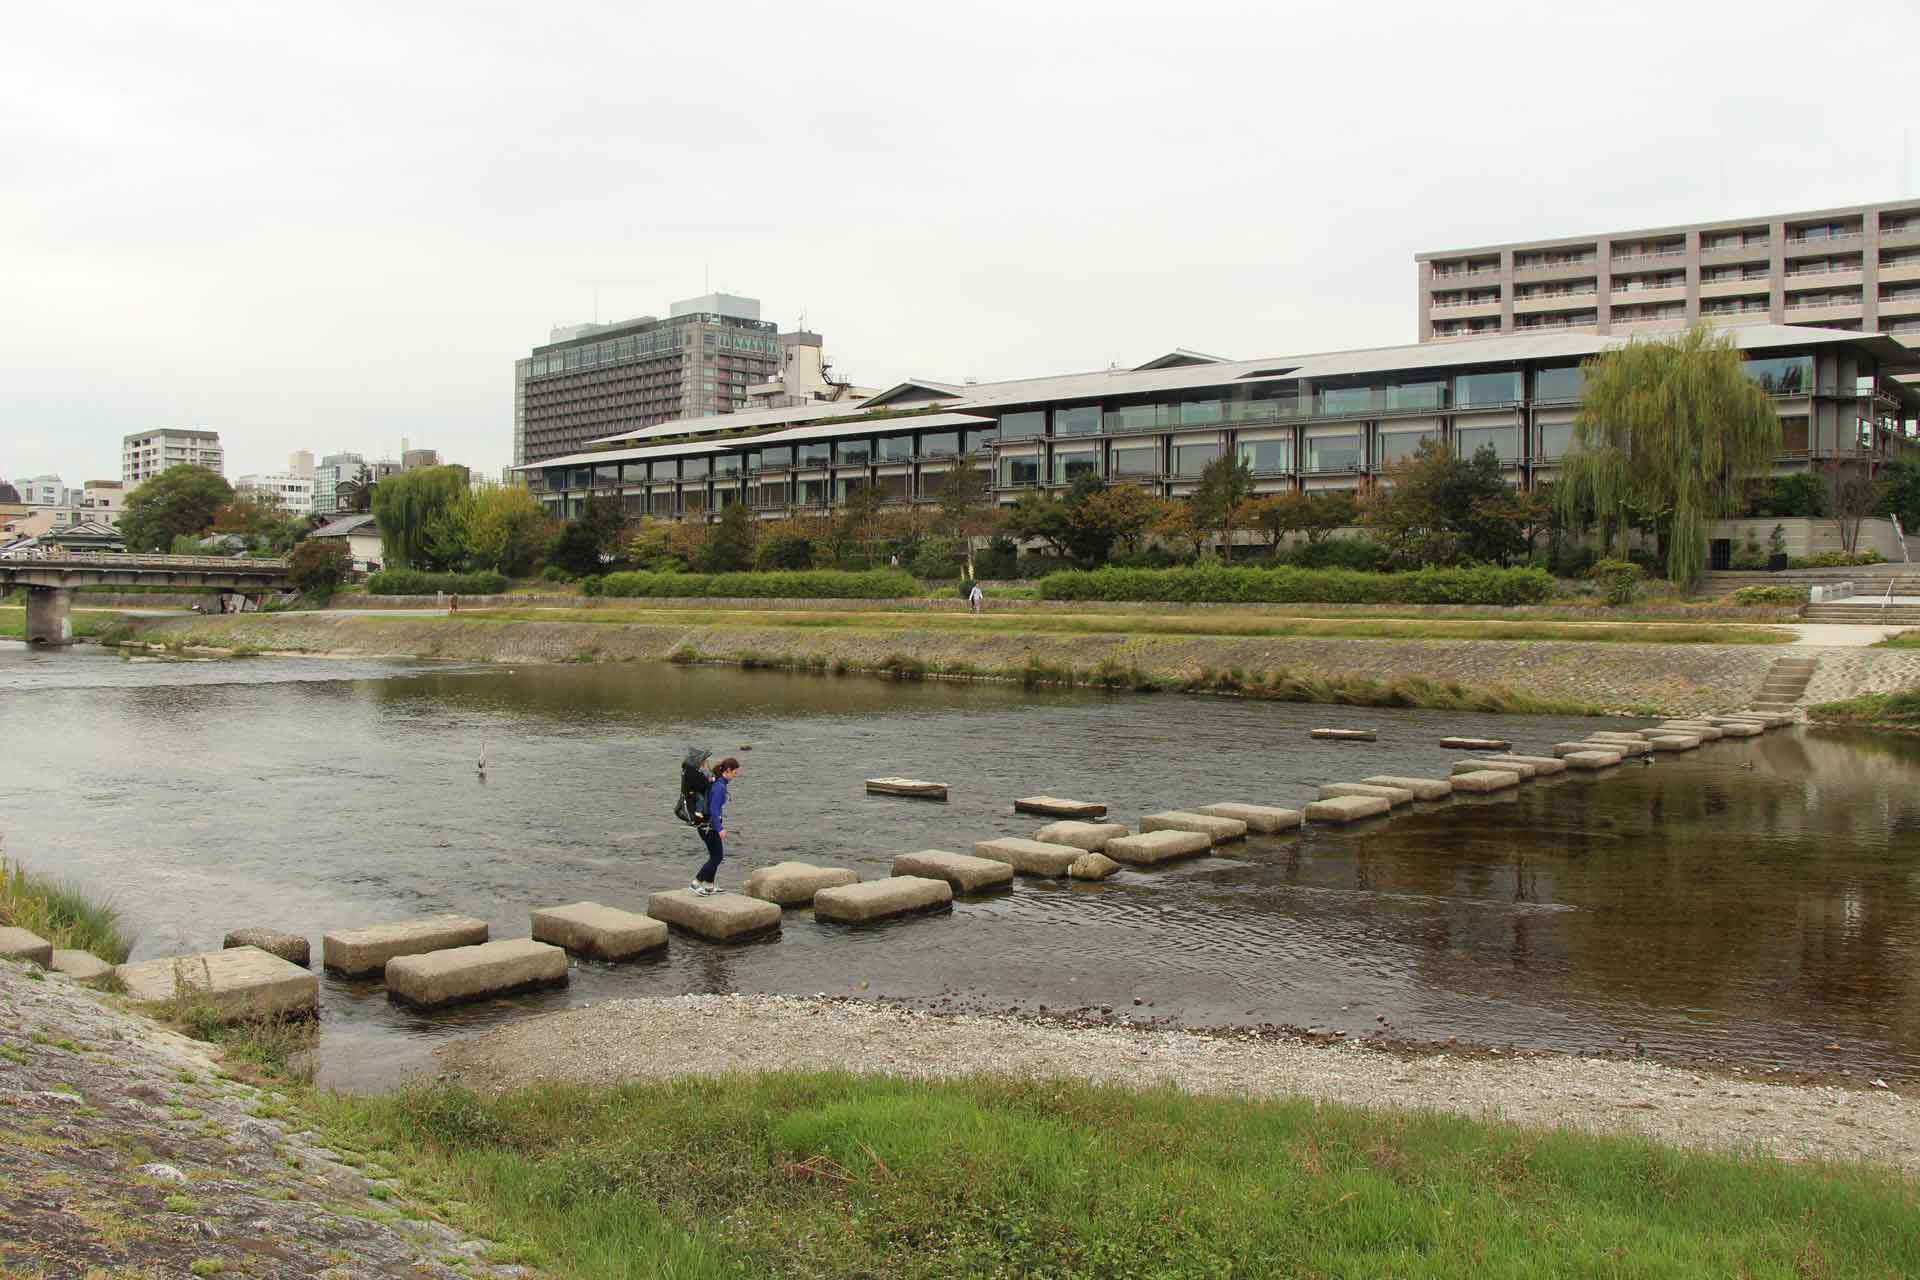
333,226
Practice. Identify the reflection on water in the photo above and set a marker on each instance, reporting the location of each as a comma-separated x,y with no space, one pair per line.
1695,907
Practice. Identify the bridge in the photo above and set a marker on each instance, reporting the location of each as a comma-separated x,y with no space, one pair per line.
50,579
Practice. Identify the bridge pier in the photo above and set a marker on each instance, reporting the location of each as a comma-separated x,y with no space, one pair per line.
49,616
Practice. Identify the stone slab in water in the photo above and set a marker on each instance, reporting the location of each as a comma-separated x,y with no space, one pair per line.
1496,763
79,964
356,952
1261,818
290,947
1693,728
602,932
881,899
1475,744
458,974
964,872
719,917
24,944
1055,807
1346,809
914,787
1344,735
1740,728
1674,742
793,884
1542,765
1164,845
243,984
1565,749
1609,735
1218,830
1484,780
1422,788
1091,836
1031,857
1385,791
1625,746
1092,866
1591,759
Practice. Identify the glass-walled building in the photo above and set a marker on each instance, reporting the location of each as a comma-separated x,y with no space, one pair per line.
1332,422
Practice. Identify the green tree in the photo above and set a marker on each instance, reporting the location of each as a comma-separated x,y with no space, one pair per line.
963,499
1225,486
1445,510
318,566
1123,513
595,532
1799,494
413,509
1899,493
1322,513
1039,517
179,502
1672,430
505,527
731,549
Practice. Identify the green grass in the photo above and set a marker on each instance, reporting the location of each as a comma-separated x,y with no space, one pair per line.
86,622
65,914
272,1048
1899,712
1905,640
830,1176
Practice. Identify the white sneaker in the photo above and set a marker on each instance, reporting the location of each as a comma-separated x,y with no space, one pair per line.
695,887
704,890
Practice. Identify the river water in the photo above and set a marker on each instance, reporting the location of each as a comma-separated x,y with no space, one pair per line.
1697,909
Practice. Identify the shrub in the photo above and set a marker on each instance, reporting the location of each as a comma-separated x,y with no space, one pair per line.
1748,555
412,582
938,556
1481,584
1619,580
1835,560
554,573
872,584
787,552
1769,595
1151,558
318,566
1360,554
1001,560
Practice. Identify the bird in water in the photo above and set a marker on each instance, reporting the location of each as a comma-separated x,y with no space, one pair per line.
1647,761
480,767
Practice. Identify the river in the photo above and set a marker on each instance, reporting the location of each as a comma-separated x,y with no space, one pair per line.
1697,909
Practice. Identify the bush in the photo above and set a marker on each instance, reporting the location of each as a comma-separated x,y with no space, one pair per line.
873,584
938,556
1038,566
413,582
1151,558
1619,580
1769,595
786,552
318,566
554,573
1362,555
1000,561
1835,560
1476,585
1748,555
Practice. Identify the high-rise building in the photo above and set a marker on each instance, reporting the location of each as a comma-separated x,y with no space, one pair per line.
290,493
334,468
804,377
145,454
413,458
43,491
592,380
300,463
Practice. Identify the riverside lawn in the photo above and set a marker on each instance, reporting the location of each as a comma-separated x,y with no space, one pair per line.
86,622
830,1175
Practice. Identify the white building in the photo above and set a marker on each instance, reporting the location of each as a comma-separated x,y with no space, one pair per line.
300,464
44,491
333,469
103,500
290,493
145,454
805,377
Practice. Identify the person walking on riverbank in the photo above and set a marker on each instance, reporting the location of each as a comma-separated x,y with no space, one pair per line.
714,830
976,599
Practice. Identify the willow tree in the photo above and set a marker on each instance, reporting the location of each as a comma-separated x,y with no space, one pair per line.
1668,427
410,507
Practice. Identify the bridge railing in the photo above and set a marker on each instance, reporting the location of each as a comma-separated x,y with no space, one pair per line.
135,560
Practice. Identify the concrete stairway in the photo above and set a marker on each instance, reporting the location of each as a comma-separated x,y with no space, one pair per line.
1785,684
1867,607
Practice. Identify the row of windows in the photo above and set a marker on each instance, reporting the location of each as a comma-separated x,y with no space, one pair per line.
651,342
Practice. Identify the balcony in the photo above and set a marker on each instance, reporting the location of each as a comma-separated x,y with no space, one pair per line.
1758,286
1909,234
1751,251
1649,256
1467,309
1907,304
1560,300
1814,312
1834,276
1801,246
1478,273
1646,295
1565,268
1894,271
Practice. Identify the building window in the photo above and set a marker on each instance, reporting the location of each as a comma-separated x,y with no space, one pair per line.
1267,457
726,464
634,472
848,487
1192,459
1559,384
1200,412
931,483
1471,389
694,468
1468,441
1400,446
1023,426
1793,434
1016,472
770,493
896,449
1334,453
1786,376
1342,401
1137,417
939,444
896,488
660,502
1137,460
817,454
978,439
852,453
1081,420
1070,464
1555,441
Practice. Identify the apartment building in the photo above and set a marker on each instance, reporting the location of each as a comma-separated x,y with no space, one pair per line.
1328,422
290,493
145,454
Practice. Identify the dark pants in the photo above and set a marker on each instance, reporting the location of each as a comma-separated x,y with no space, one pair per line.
711,867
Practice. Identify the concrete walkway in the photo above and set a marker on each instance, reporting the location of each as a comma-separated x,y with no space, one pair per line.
1841,635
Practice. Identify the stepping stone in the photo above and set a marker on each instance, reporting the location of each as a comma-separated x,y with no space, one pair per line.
1542,765
290,947
1032,857
964,872
719,917
22,944
1624,746
1565,749
1422,788
1218,830
1476,744
1055,807
458,974
1152,847
1693,728
793,884
879,899
1739,728
1610,736
355,953
1091,836
80,964
1484,780
1590,759
243,984
1347,808
913,787
1092,866
1344,735
1498,764
1392,795
604,933
1264,819
1674,742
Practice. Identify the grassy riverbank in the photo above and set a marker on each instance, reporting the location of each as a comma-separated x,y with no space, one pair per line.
86,622
1894,712
66,915
831,1176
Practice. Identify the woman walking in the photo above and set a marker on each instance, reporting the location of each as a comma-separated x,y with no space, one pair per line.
714,830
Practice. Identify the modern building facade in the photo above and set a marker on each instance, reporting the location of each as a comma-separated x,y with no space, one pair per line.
290,493
44,491
145,454
1329,422
332,469
805,377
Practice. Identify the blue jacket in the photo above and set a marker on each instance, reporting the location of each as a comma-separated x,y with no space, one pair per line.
716,802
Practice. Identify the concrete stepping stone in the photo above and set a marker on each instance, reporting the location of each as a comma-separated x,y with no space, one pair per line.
1500,763
458,974
601,932
913,787
1591,759
1422,788
1032,857
1608,735
719,917
243,984
1344,735
1260,818
1674,742
1624,746
1482,781
1347,808
1218,830
1693,728
1565,749
964,872
1476,744
1150,848
1394,796
79,964
354,953
24,944
1739,728
1542,765
1092,866
881,899
1771,719
1091,836
793,884
290,947
1055,807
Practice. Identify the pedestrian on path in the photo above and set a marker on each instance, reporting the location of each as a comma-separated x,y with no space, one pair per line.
976,599
713,832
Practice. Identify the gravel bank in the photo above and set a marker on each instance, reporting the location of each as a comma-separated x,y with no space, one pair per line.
708,1035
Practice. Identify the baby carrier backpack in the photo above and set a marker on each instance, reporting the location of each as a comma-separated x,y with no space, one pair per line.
691,808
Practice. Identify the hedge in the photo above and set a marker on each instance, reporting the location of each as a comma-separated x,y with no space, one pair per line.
412,582
1480,585
873,584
